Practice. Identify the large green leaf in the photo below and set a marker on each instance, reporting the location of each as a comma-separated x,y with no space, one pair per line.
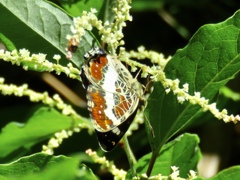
208,62
41,28
43,166
232,173
17,137
182,152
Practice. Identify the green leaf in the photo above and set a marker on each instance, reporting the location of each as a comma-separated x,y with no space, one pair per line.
75,8
43,166
107,13
182,152
207,63
230,173
41,28
30,164
16,137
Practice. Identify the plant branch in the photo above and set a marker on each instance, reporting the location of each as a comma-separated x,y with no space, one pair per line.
131,158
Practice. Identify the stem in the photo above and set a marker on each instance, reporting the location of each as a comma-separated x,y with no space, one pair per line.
131,158
150,166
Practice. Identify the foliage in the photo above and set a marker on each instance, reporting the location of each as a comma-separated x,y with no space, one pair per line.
185,90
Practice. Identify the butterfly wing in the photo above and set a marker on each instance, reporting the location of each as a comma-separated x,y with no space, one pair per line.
108,110
109,117
108,140
112,93
112,96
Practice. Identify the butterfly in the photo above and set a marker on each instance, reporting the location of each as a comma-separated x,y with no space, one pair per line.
112,96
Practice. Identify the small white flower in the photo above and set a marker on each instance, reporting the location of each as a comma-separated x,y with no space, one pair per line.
70,132
192,175
93,10
76,129
118,173
23,52
167,90
57,57
2,80
25,68
181,99
53,143
186,87
175,173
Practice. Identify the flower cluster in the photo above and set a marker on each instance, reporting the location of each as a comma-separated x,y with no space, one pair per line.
38,62
111,32
56,101
87,21
56,141
142,53
158,60
118,174
192,175
175,174
58,138
121,174
182,95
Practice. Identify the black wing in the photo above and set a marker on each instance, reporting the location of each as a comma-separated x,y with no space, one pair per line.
108,140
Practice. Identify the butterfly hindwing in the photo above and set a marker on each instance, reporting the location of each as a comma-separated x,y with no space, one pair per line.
108,140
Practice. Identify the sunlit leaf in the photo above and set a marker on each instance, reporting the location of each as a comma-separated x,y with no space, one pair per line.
16,137
207,63
43,166
41,28
230,173
182,152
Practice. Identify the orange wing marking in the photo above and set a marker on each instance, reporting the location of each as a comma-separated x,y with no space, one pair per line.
96,67
97,110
